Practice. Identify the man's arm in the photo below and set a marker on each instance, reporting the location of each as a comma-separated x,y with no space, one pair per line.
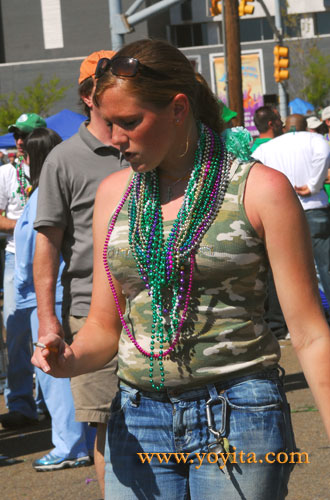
6,225
303,190
320,163
45,271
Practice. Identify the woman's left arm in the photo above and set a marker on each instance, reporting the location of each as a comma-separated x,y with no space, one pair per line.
276,213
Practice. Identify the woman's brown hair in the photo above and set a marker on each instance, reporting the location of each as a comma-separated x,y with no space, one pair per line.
172,73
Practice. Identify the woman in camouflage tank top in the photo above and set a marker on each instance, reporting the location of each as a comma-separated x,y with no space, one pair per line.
186,239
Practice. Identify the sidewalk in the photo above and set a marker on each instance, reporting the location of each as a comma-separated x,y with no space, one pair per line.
20,482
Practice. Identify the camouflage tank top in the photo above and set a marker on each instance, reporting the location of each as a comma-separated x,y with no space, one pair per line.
224,334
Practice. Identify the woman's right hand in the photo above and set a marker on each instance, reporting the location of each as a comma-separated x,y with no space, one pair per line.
57,359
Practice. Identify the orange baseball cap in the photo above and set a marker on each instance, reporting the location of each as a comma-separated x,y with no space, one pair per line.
88,66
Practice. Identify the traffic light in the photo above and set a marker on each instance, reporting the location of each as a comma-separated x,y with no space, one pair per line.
215,8
281,62
245,8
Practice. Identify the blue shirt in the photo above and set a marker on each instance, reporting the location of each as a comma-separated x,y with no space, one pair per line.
25,241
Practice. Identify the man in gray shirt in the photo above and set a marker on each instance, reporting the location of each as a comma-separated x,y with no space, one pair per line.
67,189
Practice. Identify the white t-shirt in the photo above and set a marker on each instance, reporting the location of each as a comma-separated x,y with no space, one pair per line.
10,200
304,157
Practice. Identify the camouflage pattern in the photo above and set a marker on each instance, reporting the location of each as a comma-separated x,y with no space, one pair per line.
224,335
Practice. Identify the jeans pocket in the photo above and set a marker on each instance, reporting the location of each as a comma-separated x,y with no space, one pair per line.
258,416
254,396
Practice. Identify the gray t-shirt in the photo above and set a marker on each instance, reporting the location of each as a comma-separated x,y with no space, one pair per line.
69,179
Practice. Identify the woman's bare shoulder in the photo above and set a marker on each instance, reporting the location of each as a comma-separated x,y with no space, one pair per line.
268,193
112,188
267,182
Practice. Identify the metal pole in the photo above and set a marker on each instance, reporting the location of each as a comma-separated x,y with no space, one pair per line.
133,7
270,20
149,11
117,40
281,89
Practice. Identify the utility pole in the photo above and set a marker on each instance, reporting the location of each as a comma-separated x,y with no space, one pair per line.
233,57
224,44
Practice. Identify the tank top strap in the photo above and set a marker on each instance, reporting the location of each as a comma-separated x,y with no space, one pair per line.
238,175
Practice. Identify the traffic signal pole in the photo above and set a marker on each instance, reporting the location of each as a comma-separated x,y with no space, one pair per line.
283,105
233,59
123,23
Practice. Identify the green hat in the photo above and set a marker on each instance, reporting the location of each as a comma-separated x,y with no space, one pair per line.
227,114
27,122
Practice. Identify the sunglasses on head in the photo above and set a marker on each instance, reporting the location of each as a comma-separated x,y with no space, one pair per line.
125,67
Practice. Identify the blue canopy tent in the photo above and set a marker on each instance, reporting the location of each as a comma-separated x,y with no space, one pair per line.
300,106
66,123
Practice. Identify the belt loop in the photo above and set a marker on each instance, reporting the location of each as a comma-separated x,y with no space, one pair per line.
134,397
281,373
212,391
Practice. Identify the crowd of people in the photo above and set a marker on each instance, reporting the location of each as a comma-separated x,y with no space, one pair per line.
155,259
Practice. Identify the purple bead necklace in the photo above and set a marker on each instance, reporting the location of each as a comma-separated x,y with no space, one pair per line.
161,264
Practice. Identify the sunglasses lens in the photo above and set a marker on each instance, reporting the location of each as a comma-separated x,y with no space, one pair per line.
19,135
124,66
102,67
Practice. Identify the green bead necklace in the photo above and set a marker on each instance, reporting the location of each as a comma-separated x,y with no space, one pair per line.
161,263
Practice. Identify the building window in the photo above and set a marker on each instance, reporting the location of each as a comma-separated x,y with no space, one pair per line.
291,26
322,23
189,35
186,12
252,30
266,30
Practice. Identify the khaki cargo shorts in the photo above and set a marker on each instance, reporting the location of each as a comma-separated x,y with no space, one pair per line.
92,392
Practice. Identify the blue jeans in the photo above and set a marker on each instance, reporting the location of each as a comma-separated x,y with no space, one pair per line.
19,384
256,422
319,225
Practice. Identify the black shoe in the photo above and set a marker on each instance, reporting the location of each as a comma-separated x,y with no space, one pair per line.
16,420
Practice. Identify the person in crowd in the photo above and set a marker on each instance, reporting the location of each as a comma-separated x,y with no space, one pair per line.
14,191
305,159
3,157
269,124
314,125
68,184
325,116
307,162
179,284
11,158
70,445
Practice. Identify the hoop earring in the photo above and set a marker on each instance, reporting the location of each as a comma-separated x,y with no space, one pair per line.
186,149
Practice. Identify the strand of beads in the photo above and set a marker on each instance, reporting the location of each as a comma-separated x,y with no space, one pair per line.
23,185
160,263
151,355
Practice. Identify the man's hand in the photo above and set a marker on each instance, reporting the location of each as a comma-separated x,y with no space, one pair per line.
6,225
303,190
